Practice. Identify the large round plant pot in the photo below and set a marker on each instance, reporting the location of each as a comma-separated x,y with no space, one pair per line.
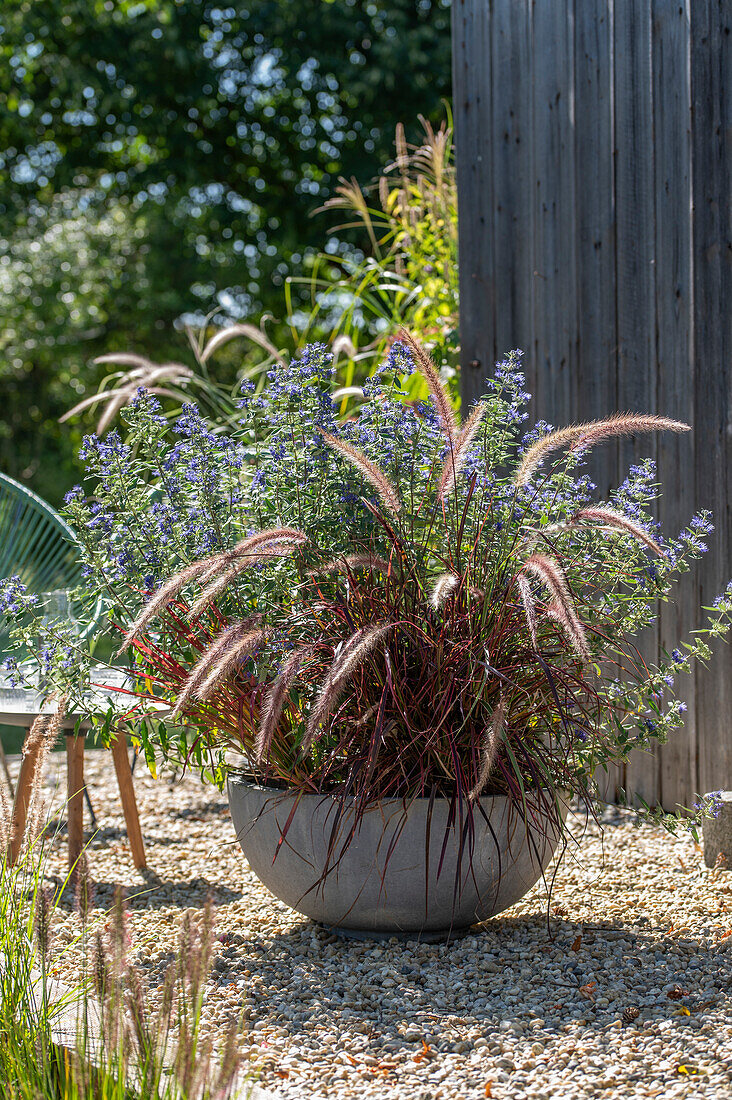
407,869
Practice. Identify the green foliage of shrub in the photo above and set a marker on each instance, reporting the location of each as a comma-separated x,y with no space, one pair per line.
388,605
408,273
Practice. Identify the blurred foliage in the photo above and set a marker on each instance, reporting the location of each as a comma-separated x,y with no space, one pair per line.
406,273
160,159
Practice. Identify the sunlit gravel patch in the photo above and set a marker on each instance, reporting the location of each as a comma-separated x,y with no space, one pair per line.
626,992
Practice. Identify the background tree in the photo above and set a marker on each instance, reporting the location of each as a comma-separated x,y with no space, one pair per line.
160,159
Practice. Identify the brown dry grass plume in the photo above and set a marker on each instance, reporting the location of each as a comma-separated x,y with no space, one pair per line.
356,649
371,472
429,372
583,436
613,519
458,452
489,751
550,574
275,699
248,552
223,657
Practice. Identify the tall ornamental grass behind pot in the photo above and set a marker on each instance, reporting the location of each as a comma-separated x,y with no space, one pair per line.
416,632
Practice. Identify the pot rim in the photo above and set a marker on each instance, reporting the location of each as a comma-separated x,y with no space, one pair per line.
241,780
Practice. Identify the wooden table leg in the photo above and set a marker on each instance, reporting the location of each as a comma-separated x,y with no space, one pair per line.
22,801
75,796
129,802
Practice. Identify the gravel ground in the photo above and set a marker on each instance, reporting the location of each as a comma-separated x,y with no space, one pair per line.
630,995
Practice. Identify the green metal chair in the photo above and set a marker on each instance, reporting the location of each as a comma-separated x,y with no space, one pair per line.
41,548
37,545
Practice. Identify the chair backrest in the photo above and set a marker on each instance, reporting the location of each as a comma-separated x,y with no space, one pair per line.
40,547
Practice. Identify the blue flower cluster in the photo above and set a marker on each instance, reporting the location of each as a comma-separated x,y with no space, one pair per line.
693,536
509,382
15,598
724,598
709,804
540,429
10,666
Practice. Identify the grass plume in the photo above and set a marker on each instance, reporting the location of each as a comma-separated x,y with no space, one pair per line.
206,568
370,471
444,586
352,562
275,700
527,599
221,582
429,372
230,661
613,519
458,452
489,750
356,649
217,656
582,436
165,595
550,574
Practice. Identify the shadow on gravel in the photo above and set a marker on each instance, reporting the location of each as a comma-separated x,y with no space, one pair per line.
507,975
155,893
205,812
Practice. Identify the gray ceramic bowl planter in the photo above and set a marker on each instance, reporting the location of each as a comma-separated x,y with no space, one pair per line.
398,875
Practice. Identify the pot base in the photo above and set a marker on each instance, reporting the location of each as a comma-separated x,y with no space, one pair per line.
404,869
448,935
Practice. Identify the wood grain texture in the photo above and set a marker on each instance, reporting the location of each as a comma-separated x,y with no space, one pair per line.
512,112
128,799
711,104
636,291
596,374
554,289
472,30
595,179
674,350
596,381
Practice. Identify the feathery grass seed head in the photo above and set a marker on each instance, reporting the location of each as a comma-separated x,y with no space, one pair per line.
583,436
490,749
549,573
444,586
429,372
355,651
458,452
613,519
275,701
369,470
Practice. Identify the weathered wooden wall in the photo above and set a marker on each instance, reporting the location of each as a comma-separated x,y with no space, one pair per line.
594,155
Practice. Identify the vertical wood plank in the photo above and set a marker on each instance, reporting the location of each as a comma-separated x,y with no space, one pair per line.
672,153
75,796
635,259
640,318
554,290
595,244
711,92
472,28
511,65
595,241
